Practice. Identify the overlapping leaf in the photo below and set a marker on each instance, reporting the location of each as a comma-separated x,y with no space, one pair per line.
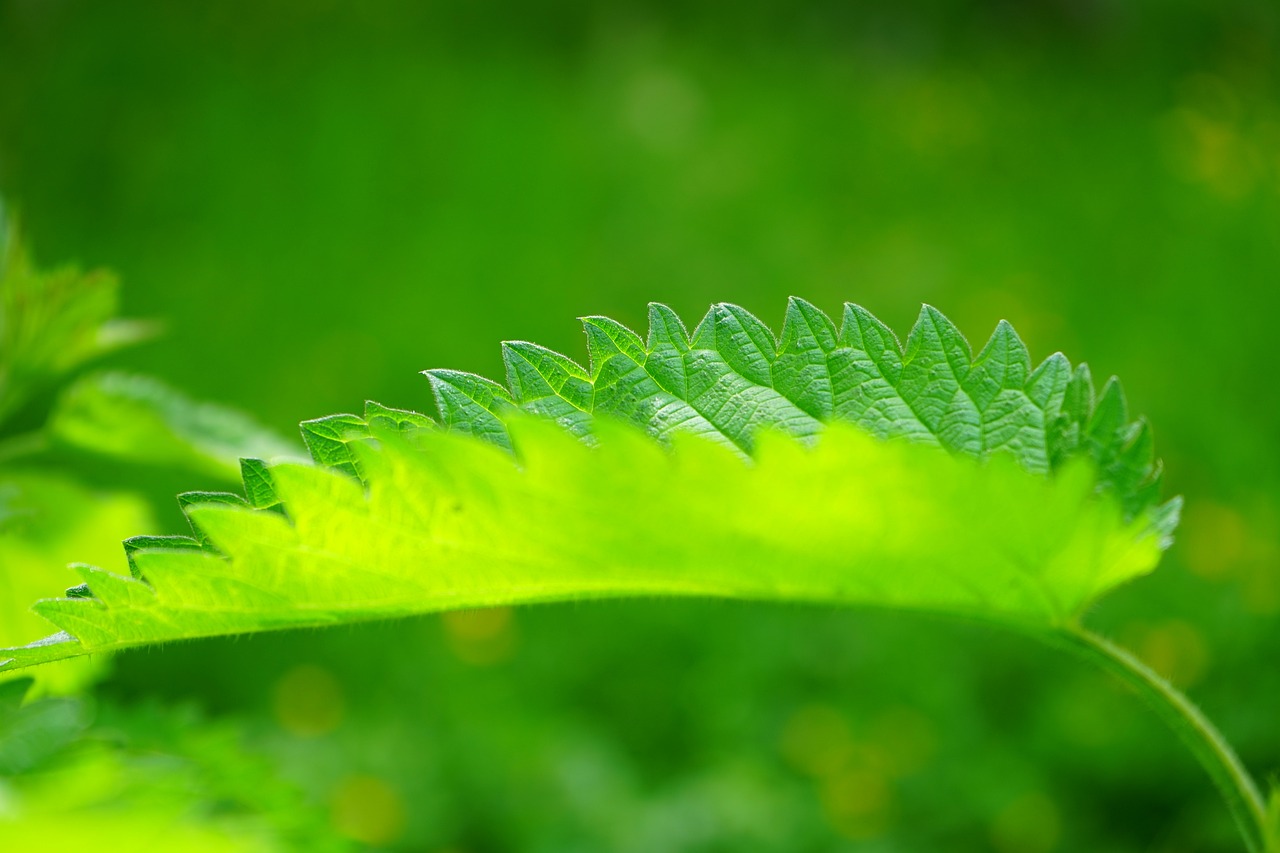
924,478
142,420
51,321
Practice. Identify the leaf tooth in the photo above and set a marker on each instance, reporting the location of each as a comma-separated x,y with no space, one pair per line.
189,500
1110,413
534,371
327,438
703,335
745,343
1147,493
934,336
477,388
802,372
1139,449
934,370
666,329
259,489
862,330
1165,518
805,326
234,534
115,590
135,545
56,647
548,384
1047,384
400,420
85,621
606,338
471,404
868,378
1132,470
1077,405
668,353
1003,364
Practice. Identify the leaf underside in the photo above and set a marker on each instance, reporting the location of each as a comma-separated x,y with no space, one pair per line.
828,465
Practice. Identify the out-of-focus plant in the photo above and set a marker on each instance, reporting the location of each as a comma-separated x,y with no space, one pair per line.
134,776
58,425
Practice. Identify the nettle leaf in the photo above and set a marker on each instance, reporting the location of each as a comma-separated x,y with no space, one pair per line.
832,464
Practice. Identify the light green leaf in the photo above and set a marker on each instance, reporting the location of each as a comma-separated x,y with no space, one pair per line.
141,776
47,521
51,322
1273,820
1008,495
140,419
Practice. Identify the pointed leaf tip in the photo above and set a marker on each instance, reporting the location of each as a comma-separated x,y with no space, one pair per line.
666,328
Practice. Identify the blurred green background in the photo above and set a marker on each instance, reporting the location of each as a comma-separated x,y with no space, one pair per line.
321,199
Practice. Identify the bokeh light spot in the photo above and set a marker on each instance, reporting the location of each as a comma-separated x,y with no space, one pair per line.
1174,648
1213,539
367,809
857,802
817,740
905,738
480,637
308,701
663,109
1030,824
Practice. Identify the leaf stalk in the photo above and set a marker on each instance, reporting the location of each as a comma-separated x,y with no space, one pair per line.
1237,786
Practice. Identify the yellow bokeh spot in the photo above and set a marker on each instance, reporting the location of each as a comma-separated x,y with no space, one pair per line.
481,637
1174,648
308,701
1213,539
817,740
1029,824
368,810
904,740
857,802
1261,589
1210,141
855,776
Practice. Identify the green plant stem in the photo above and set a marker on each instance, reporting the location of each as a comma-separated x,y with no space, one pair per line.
1208,745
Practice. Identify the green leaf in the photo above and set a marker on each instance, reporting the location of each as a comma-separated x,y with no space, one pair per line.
48,520
138,775
142,420
51,322
31,734
1007,495
1273,820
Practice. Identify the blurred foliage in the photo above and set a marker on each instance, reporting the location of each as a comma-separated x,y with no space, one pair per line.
50,322
321,199
142,778
58,503
64,786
